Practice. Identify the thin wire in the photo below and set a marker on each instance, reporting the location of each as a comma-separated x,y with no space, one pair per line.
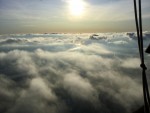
142,54
137,27
140,43
141,33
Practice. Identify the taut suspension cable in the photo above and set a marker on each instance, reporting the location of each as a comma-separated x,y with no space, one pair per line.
143,66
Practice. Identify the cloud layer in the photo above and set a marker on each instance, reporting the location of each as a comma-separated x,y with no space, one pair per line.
70,73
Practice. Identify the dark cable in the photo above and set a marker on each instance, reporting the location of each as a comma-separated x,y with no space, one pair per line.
141,33
137,26
143,66
142,54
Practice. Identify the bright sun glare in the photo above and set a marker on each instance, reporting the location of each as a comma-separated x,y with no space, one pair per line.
76,7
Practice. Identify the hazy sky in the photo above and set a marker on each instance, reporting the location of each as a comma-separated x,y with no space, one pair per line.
40,16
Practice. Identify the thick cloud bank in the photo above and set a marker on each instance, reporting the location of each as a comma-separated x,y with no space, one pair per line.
70,73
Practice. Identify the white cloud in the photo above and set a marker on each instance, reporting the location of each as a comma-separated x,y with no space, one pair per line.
85,75
79,87
39,87
131,63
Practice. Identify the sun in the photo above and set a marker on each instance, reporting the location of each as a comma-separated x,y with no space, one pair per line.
76,7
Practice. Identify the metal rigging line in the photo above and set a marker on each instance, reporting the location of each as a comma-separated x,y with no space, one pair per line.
139,29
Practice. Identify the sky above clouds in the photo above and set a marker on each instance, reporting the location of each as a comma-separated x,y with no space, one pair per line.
40,16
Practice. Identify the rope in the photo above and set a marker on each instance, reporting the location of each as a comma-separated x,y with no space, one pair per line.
143,66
